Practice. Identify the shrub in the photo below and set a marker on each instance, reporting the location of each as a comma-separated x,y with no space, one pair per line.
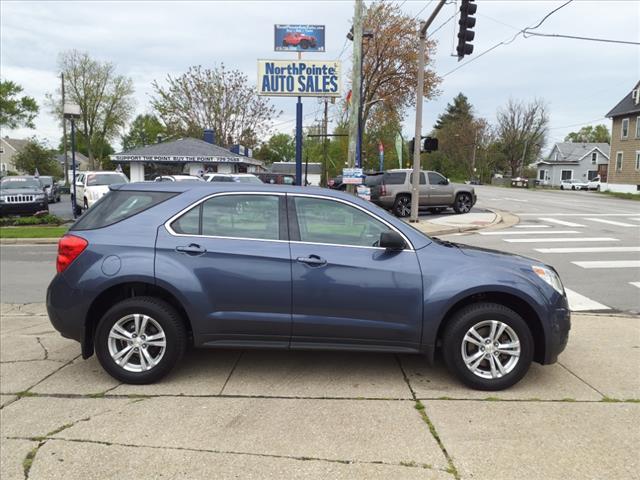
39,220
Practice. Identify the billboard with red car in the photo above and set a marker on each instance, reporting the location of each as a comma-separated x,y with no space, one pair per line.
299,38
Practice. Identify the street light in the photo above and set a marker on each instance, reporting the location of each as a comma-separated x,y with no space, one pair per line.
72,111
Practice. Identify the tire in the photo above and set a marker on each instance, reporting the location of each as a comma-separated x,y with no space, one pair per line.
402,206
304,44
161,318
480,316
573,188
561,187
284,43
598,188
86,204
462,203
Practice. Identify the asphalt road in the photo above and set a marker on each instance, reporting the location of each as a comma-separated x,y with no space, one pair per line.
587,227
592,240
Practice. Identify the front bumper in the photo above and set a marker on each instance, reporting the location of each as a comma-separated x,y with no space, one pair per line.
23,208
559,326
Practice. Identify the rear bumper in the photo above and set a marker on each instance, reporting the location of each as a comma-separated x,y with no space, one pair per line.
66,314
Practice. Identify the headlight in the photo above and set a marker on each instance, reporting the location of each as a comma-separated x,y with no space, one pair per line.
40,196
550,277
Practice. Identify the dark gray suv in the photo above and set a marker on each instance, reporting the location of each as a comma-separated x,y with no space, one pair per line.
393,192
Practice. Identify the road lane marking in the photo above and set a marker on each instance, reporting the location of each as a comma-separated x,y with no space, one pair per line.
560,222
580,303
635,284
612,222
561,239
634,219
587,249
609,264
533,226
528,232
558,214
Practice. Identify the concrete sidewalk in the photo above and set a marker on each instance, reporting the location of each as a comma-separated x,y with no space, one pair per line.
264,414
448,223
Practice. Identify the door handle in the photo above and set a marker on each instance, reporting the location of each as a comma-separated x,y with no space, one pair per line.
312,260
191,249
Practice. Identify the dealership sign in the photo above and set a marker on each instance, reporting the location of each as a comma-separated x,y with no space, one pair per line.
298,38
299,78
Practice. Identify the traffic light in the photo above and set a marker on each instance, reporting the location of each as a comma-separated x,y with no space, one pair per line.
466,22
430,145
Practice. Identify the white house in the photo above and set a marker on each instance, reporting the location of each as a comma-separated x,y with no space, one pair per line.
568,160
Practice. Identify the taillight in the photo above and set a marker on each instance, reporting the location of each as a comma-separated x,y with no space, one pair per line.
383,190
69,247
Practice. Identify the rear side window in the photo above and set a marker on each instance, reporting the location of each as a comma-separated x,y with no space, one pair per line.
396,178
117,206
372,180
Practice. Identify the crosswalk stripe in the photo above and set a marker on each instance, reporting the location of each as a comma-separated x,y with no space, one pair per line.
561,222
558,214
533,226
634,219
587,249
527,232
635,284
561,239
609,264
612,222
580,303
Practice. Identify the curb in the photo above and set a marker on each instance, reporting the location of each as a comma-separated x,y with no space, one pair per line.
502,220
29,241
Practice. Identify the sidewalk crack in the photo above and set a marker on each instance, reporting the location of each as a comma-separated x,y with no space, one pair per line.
46,352
582,380
233,369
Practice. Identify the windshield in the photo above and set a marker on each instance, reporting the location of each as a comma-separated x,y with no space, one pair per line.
94,179
17,183
46,181
248,179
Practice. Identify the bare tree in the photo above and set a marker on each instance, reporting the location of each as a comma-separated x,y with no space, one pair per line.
214,98
105,99
522,131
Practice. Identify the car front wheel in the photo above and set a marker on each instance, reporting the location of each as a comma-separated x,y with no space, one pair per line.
488,346
139,340
462,203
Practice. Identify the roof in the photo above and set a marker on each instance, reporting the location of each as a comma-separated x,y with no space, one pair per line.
314,168
16,144
573,152
80,158
626,105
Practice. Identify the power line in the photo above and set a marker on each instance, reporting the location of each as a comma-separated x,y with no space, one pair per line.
443,24
509,40
579,124
592,39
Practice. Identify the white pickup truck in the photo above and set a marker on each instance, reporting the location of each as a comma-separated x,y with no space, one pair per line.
92,186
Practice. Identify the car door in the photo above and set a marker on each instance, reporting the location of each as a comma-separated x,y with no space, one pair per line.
423,188
348,293
229,255
440,190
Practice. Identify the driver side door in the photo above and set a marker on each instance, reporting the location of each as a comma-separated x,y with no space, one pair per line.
347,291
440,190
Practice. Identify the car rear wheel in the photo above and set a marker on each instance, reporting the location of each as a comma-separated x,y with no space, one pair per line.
139,340
304,44
86,204
463,203
488,346
402,206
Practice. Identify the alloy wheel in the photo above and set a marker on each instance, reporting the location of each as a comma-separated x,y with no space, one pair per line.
464,203
490,349
137,343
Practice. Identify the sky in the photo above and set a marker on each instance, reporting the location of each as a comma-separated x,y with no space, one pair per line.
147,40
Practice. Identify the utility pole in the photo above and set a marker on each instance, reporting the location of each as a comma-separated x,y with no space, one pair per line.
355,83
325,127
422,53
64,137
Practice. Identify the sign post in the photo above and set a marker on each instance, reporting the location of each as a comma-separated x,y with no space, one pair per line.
299,141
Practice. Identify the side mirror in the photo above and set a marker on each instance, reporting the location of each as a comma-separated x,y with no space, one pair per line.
447,181
392,241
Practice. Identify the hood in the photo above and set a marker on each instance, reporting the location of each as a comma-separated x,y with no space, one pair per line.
98,188
488,254
21,191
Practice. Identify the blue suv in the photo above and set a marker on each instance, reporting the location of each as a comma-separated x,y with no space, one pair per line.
155,267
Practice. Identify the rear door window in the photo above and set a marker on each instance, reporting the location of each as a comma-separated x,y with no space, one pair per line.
117,206
395,178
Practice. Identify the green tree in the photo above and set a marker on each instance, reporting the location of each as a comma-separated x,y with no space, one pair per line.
16,111
459,111
590,134
82,147
279,148
34,156
105,99
144,130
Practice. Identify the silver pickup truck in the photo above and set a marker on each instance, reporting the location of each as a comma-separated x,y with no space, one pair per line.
392,190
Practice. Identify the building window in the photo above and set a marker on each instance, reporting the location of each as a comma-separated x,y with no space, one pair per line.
637,127
624,133
594,158
619,158
567,174
3,167
637,159
591,174
541,174
556,156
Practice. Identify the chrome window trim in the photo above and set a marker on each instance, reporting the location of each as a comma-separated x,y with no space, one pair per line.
167,224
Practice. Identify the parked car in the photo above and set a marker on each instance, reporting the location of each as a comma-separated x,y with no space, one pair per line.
51,188
573,184
336,183
293,39
276,178
92,186
393,192
594,184
246,266
22,195
178,178
232,177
